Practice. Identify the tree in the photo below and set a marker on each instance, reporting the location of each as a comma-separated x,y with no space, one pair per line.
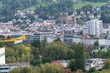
22,70
107,54
18,53
87,8
44,43
51,68
70,53
54,9
36,43
101,54
35,52
71,64
80,22
96,44
79,71
107,64
105,17
92,70
1,44
35,62
103,71
9,8
80,58
56,51
58,39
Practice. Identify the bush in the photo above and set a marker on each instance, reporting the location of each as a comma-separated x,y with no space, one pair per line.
71,65
35,62
79,71
92,70
1,44
107,64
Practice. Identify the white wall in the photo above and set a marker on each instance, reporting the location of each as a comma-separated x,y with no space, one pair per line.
88,41
2,56
76,40
102,41
95,27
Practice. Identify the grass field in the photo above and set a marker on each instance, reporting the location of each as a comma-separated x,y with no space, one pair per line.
1,4
80,5
30,8
77,5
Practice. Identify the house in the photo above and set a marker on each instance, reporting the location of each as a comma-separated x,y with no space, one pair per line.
63,63
49,22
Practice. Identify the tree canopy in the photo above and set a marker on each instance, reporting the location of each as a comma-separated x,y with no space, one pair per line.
56,51
43,68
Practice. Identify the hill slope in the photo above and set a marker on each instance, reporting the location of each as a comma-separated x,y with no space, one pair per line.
76,5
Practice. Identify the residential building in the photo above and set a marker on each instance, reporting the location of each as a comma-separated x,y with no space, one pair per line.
72,38
88,41
95,27
63,63
2,56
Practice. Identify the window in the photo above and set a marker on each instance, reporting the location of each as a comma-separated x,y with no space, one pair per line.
4,68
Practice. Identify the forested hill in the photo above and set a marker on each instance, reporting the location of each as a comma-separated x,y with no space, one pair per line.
9,7
98,0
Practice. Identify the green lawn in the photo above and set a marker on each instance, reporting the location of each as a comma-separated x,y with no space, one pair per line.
1,4
80,5
31,8
34,7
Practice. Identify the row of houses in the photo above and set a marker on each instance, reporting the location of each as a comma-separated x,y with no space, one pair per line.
86,41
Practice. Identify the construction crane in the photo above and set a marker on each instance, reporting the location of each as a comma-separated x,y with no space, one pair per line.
15,40
2,48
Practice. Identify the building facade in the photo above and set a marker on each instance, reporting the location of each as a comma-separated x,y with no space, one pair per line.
2,56
95,27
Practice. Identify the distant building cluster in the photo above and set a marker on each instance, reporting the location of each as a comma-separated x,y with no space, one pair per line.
66,28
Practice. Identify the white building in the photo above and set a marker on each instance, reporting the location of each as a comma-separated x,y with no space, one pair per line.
102,41
98,63
88,41
9,67
2,56
72,38
95,27
85,30
107,42
41,36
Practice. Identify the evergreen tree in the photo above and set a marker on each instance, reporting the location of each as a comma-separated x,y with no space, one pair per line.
1,44
80,58
71,65
44,43
96,44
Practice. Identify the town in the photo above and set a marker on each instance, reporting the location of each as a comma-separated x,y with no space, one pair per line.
74,42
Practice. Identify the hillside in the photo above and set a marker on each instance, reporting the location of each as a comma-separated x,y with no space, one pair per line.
52,8
80,5
76,5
